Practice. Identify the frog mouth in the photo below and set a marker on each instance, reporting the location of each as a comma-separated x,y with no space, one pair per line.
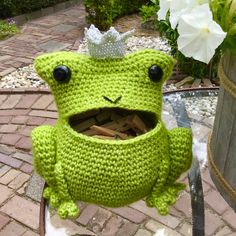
113,123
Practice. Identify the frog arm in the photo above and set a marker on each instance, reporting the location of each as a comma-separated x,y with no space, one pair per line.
180,143
67,207
44,152
180,154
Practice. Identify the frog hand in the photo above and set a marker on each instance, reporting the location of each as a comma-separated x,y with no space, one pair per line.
162,200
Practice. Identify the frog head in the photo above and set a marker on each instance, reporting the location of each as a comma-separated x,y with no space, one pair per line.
81,83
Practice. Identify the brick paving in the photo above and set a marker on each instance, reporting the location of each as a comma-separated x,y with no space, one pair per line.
137,219
23,109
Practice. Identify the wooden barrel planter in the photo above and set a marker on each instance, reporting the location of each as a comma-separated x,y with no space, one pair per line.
222,142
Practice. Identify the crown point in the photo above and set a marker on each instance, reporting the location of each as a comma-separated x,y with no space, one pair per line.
110,44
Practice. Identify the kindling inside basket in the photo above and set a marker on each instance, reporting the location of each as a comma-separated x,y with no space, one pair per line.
113,123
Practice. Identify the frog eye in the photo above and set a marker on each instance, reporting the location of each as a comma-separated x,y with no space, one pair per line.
62,74
155,73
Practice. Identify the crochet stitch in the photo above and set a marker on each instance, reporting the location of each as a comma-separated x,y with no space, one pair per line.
112,173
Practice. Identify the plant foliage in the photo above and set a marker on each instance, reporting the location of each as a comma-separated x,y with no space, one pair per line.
101,13
7,28
224,13
10,8
186,65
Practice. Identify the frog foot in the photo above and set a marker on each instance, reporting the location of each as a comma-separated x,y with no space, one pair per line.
164,199
52,196
68,209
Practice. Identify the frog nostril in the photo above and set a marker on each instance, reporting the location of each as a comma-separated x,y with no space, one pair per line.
115,101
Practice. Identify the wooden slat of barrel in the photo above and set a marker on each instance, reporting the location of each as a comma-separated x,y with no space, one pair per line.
223,146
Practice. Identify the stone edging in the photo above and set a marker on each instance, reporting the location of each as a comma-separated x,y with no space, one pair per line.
21,19
25,91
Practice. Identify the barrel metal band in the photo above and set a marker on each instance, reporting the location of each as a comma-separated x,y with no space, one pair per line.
225,81
229,189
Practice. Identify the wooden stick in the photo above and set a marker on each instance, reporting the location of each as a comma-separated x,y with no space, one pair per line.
108,132
139,124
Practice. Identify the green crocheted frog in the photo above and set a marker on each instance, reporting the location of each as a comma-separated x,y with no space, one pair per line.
111,173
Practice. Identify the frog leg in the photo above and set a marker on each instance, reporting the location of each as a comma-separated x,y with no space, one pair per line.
44,153
180,153
44,158
67,207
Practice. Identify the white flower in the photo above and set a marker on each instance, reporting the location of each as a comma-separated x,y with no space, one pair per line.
199,35
179,8
164,8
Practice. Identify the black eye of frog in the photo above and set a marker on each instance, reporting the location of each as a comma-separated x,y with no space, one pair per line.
62,74
155,73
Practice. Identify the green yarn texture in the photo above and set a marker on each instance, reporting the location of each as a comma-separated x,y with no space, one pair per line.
111,173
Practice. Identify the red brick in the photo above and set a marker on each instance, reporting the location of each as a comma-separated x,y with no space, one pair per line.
168,220
225,231
10,139
6,150
30,233
183,204
13,229
24,60
112,226
23,157
5,119
230,217
3,220
4,169
217,202
14,112
128,229
98,221
8,128
19,119
5,193
13,63
10,161
9,176
87,214
212,223
47,114
27,101
49,121
130,214
14,208
27,168
52,107
71,227
186,229
11,101
43,102
19,181
7,71
207,178
5,57
36,121
2,98
26,130
24,143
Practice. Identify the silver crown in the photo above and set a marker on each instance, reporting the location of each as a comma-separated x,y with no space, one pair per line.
111,44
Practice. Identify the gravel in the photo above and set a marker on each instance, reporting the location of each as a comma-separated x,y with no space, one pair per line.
201,106
26,77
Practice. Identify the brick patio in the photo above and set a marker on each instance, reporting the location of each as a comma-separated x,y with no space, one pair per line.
23,109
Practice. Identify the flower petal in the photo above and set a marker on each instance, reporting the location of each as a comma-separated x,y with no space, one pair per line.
199,35
179,8
164,8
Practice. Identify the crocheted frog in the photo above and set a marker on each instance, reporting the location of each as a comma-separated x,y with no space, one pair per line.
111,173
